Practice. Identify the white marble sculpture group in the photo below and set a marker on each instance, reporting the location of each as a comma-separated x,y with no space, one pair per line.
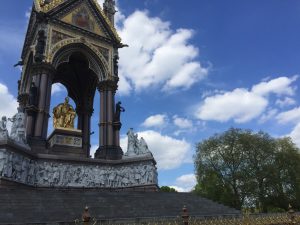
18,130
28,170
18,168
135,146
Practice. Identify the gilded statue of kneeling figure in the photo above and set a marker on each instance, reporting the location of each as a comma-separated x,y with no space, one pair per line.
64,115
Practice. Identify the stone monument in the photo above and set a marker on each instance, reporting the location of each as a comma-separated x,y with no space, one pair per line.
75,43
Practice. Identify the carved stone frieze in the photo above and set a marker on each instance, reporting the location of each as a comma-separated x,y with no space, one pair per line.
42,173
58,36
104,52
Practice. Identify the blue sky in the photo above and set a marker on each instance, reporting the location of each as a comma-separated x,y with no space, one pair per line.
193,68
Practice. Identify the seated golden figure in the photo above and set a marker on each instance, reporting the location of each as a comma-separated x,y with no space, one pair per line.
64,115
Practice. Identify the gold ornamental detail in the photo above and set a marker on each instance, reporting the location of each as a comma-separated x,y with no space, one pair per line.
41,6
64,115
49,6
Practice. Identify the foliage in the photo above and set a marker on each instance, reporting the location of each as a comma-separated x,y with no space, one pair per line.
167,189
243,169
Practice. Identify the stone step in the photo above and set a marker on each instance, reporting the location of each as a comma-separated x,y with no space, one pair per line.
40,206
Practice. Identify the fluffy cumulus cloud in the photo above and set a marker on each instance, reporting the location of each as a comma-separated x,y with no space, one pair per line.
287,101
291,116
295,135
158,55
157,121
243,105
280,86
185,183
182,123
9,103
239,105
170,153
57,88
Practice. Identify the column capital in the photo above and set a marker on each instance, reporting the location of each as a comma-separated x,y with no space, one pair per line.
23,99
107,85
42,68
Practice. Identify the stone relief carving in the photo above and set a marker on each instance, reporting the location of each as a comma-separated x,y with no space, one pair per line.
135,146
3,129
58,36
104,52
54,174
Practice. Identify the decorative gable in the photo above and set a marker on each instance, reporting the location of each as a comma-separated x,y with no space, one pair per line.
83,18
87,15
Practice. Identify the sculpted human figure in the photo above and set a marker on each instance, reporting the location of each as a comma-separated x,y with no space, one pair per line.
3,129
2,161
31,172
33,94
8,169
18,127
132,143
40,46
64,115
24,170
119,109
143,147
56,176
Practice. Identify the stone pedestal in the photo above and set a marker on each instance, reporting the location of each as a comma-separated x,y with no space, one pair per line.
109,153
66,142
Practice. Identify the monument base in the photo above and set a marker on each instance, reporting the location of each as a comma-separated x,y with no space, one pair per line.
66,142
19,166
109,152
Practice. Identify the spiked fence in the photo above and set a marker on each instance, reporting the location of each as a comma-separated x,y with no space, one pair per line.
289,218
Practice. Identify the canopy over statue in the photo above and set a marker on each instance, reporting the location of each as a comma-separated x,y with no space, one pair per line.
64,115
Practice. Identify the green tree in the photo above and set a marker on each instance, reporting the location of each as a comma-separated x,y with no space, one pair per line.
167,189
243,169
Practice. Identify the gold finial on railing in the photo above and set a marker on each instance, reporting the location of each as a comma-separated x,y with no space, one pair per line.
86,217
185,216
291,213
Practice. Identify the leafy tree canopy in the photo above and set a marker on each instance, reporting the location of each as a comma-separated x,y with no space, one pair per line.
167,189
249,170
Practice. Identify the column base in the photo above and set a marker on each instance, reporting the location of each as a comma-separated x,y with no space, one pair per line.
37,144
109,152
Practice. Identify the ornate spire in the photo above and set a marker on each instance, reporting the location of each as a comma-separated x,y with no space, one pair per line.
109,8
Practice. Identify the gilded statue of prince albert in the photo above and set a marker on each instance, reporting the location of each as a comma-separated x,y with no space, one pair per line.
64,115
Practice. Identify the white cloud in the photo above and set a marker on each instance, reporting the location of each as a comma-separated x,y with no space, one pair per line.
28,13
291,116
182,122
93,150
178,189
57,88
239,105
243,105
100,2
287,101
124,87
279,86
170,153
268,115
9,103
185,183
158,55
158,121
295,135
